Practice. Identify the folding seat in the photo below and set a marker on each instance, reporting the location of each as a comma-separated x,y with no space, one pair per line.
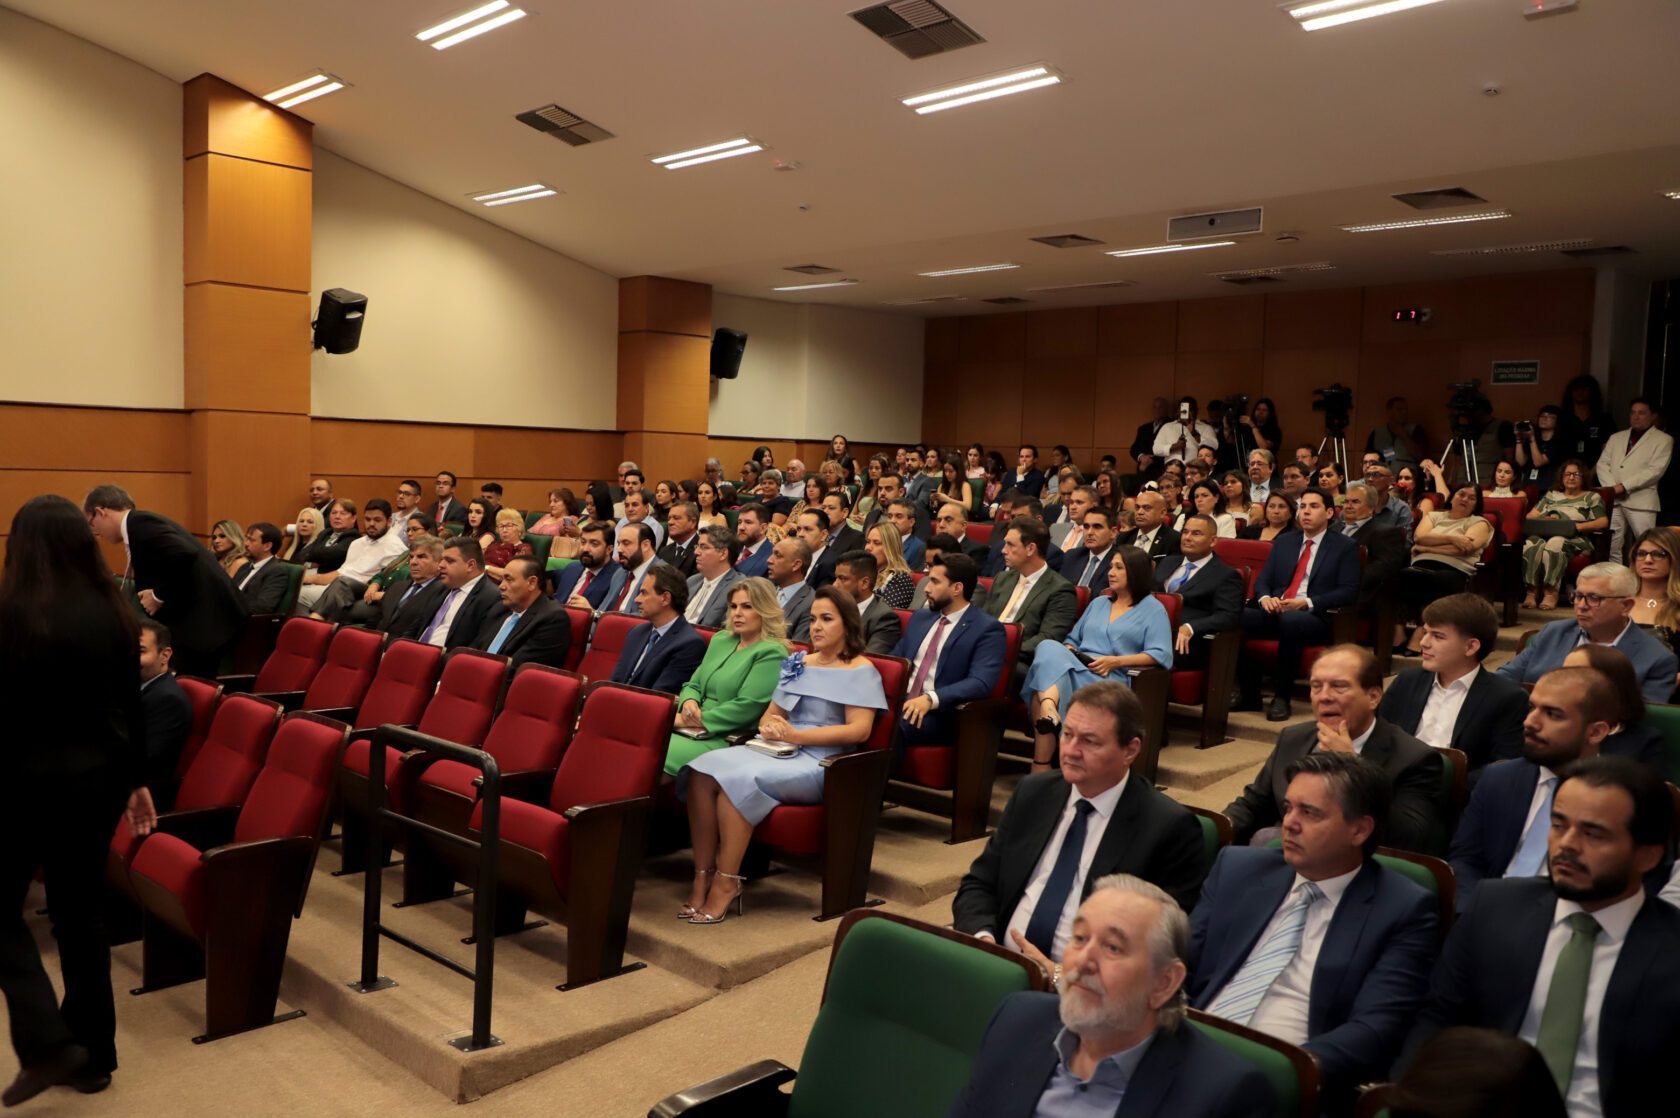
840,831
1507,515
965,767
223,911
299,652
581,620
576,859
205,696
1344,623
605,645
1291,1071
338,689
980,533
1208,687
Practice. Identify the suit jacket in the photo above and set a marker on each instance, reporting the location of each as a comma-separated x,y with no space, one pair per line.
1490,722
471,615
1073,568
1166,541
970,659
756,565
1416,816
1048,612
1492,825
1183,1072
409,619
609,581
668,666
202,609
717,606
1654,664
1373,964
1486,979
797,612
1213,597
169,718
915,552
881,626
1385,554
1638,469
542,636
448,512
1149,835
1333,580
680,556
264,590
822,571
1031,483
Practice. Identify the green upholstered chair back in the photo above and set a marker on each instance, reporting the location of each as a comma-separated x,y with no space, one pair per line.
294,582
555,563
732,517
1667,719
1289,1070
532,517
901,1019
539,547
1216,834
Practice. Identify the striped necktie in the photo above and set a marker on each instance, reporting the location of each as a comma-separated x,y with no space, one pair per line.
1247,989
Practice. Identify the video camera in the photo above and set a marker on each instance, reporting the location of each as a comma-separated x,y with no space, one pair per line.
1466,400
1336,402
1236,406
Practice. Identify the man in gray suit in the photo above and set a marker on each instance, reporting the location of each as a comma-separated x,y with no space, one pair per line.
715,550
856,575
788,562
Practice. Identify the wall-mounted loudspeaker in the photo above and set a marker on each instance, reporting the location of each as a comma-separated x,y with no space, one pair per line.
727,347
338,324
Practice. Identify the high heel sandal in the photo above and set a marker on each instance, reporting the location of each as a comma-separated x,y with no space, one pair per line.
1043,725
688,911
738,900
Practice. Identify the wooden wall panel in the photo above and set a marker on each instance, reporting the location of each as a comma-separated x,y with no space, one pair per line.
662,383
1125,387
1238,322
1131,329
666,455
943,341
165,493
664,306
244,464
530,453
993,338
1562,357
348,446
1505,306
1062,333
221,117
990,403
1445,302
247,223
1209,374
1289,377
245,349
58,438
1058,399
1314,319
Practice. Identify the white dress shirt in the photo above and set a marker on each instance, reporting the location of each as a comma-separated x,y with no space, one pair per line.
441,633
1441,709
951,620
1583,1099
703,598
1195,435
1102,810
366,557
1283,1011
251,570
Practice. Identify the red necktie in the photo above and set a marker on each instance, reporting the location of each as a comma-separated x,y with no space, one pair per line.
583,587
1300,570
618,607
919,684
745,555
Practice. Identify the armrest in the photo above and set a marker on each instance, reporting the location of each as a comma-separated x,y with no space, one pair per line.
410,769
580,814
288,700
237,684
530,785
367,733
346,715
753,1089
1344,625
246,854
243,877
203,827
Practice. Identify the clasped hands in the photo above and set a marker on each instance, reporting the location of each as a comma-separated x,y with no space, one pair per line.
1283,605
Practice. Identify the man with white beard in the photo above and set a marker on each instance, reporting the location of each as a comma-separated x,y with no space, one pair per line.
1114,1039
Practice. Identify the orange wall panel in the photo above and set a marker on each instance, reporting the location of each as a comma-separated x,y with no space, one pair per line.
1062,333
220,117
1125,387
58,438
1237,322
665,306
247,349
247,223
1131,329
1314,319
997,337
664,382
1058,399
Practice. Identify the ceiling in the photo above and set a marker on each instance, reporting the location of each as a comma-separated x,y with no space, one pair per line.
1166,108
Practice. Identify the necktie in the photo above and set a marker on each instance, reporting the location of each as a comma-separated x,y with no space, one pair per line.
925,668
1531,854
1047,914
1008,613
1075,538
746,553
502,633
1566,1000
437,618
583,587
647,649
1243,994
250,569
1090,570
413,588
1182,577
624,599
1300,570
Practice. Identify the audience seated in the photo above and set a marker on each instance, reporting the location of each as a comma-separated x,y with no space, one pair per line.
263,581
637,510
789,562
901,515
636,555
227,544
1086,563
883,542
468,596
1656,605
682,525
1603,601
831,538
881,627
481,522
1555,533
1066,523
527,627
330,594
320,494
1393,506
166,710
1210,592
1384,544
328,547
1031,594
410,602
1206,500
733,684
1475,1073
953,522
752,526
662,653
596,580
562,516
1152,533
715,552
1277,516
1262,465
1026,477
309,526
445,509
510,543
956,653
1446,549
1630,735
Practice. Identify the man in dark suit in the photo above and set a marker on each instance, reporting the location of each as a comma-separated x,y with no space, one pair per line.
1154,532
1583,966
662,654
446,509
262,584
1308,573
177,579
1346,688
835,538
752,523
320,494
856,575
1450,702
409,603
1210,592
1087,564
902,515
528,627
1063,830
1149,467
596,578
1026,477
1385,545
1044,1053
166,710
681,533
1506,823
952,521
715,577
1361,956
1030,593
469,596
955,651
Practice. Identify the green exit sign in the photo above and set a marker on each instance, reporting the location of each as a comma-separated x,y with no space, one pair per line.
1516,372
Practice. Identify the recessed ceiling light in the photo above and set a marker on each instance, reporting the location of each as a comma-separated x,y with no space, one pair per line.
318,84
971,271
816,286
471,24
1154,249
729,149
1316,15
983,89
1420,222
517,194
1672,195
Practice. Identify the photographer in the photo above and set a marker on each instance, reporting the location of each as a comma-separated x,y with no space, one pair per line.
1179,439
1247,429
1399,441
1538,449
1489,439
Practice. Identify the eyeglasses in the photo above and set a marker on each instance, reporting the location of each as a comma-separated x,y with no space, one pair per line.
1593,601
1645,553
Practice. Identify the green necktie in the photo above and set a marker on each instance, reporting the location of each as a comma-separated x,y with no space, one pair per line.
1566,1000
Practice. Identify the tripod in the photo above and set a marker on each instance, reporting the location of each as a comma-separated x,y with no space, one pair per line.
1336,439
1466,448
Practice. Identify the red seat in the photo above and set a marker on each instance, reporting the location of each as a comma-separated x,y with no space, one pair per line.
224,912
605,646
407,676
980,533
343,681
1083,593
576,859
841,829
298,654
1208,687
904,616
916,577
1243,553
205,696
580,620
985,584
1344,623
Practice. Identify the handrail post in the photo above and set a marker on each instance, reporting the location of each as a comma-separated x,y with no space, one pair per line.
373,880
484,905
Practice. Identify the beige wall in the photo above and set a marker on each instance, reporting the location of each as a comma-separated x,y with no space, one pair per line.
90,224
467,323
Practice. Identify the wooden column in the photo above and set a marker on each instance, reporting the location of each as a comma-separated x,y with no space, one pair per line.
664,374
248,221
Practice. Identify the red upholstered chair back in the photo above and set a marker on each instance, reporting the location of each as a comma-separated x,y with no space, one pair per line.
297,656
706,634
619,748
916,577
1174,605
980,533
606,645
466,697
895,679
1083,593
407,675
904,616
1011,652
536,720
985,582
1242,553
290,795
343,681
1490,553
580,620
233,754
205,696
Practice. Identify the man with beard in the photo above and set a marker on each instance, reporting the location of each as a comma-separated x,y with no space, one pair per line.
1583,966
594,579
1114,1039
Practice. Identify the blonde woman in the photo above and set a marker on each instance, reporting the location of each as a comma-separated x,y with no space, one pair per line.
510,543
309,524
895,586
1656,608
227,544
730,689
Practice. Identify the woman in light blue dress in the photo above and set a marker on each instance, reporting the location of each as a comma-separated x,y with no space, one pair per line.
1126,628
824,703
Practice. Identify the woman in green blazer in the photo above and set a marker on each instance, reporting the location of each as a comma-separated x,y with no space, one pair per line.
731,688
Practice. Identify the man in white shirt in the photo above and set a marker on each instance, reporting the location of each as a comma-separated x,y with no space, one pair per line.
1179,439
637,511
793,483
327,595
1633,462
715,552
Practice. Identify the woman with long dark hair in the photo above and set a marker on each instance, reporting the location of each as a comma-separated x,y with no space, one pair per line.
70,679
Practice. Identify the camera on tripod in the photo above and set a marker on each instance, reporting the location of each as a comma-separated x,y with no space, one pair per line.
1336,402
1236,406
1466,400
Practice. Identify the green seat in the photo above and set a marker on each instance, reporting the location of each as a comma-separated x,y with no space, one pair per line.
539,546
1216,835
1290,1071
294,583
1408,869
532,517
555,563
1667,719
731,517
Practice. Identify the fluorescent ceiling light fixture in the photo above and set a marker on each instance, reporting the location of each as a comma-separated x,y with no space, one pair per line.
729,149
1420,222
318,84
1316,15
517,194
507,15
1152,250
1672,195
816,286
971,271
984,89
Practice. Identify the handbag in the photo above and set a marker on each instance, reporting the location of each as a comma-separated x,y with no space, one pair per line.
565,547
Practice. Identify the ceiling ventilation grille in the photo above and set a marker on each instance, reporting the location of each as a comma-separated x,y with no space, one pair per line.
1263,275
927,299
1080,287
1439,199
1006,300
1246,281
917,28
812,269
1592,253
1067,240
563,124
1516,250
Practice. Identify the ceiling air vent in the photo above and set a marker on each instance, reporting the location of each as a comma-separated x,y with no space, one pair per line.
1080,287
1440,199
1516,250
1593,253
812,269
917,28
927,299
1067,240
1226,223
1265,275
1006,300
563,124
1246,281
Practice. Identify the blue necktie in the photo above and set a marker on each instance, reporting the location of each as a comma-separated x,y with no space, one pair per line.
1047,914
647,649
1181,577
437,618
1531,855
1244,993
502,633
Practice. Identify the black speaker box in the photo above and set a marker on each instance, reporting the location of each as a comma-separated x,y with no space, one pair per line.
338,324
727,347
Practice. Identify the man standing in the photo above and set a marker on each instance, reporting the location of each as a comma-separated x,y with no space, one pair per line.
955,653
662,653
1179,439
1633,462
1385,547
635,556
410,602
595,580
176,578
328,594
263,582
167,712
715,553
1087,564
468,596
1399,442
856,575
528,627
1210,592
1153,534
446,509
751,523
1029,593
789,561
1603,601
1143,443
681,536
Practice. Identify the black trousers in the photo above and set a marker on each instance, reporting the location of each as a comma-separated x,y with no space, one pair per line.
1425,581
1294,631
66,831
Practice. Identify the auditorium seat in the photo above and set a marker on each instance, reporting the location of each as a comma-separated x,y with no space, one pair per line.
580,619
1291,1071
299,651
1666,718
1506,514
576,859
205,696
1216,834
1429,872
1344,623
342,684
223,912
902,1016
840,831
980,533
605,645
1208,687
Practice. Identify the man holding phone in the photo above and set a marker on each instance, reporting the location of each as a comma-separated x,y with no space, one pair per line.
1179,439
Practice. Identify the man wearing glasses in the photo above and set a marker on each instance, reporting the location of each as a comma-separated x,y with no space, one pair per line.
1603,602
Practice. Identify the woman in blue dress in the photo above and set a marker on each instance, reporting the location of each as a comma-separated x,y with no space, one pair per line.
1125,628
824,703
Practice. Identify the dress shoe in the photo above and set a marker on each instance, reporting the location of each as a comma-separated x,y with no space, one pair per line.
61,1067
90,1082
1240,701
1279,710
